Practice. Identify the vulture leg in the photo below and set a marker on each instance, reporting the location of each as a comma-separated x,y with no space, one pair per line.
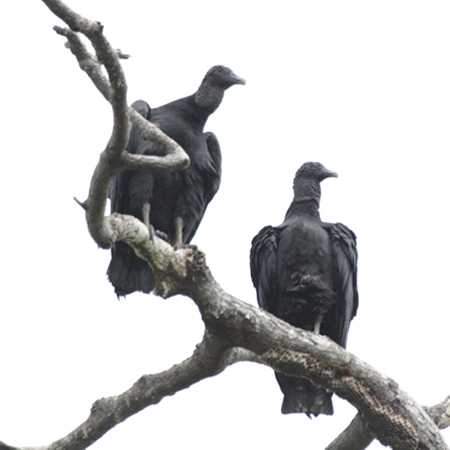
146,214
178,232
318,323
146,219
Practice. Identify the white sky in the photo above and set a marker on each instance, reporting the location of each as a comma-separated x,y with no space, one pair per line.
362,87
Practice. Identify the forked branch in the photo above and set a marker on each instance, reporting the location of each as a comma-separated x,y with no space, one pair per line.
114,88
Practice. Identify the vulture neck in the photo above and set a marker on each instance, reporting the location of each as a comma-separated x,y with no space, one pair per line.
209,96
306,200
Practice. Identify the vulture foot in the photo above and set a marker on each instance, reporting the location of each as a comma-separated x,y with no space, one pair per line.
162,235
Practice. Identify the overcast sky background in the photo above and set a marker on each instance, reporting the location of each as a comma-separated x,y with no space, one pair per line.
363,87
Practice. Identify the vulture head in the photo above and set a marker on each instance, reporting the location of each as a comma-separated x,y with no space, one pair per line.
307,181
216,81
222,77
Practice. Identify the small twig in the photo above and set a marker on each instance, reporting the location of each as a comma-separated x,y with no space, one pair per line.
122,55
440,413
82,204
87,62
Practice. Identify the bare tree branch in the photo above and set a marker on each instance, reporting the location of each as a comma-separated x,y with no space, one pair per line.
386,410
440,413
209,359
4,446
230,321
87,62
92,65
114,159
176,159
356,436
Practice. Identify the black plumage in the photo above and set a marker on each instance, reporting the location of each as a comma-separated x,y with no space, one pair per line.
173,203
304,272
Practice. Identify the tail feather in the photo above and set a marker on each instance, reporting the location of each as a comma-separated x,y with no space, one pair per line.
128,273
302,396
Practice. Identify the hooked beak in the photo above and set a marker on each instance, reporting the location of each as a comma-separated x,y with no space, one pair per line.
328,174
237,80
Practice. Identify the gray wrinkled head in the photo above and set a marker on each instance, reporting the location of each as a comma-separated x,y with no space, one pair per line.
313,171
222,77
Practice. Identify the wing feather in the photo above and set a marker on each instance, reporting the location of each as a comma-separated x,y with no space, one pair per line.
345,258
263,266
215,173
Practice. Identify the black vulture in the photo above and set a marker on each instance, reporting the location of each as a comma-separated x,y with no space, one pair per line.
304,272
173,203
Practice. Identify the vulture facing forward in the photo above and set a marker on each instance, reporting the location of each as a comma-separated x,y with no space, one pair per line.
304,272
173,203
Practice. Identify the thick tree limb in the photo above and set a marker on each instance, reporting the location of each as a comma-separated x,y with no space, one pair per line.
235,331
286,348
356,436
209,359
386,410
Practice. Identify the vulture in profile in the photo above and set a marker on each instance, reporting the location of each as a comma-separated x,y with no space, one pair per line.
173,203
304,272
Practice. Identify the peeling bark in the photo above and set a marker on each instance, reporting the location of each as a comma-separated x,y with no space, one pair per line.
357,437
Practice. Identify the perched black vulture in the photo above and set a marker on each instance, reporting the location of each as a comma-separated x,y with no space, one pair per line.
173,203
304,272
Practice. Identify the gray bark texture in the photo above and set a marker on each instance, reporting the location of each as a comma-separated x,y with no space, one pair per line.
234,330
